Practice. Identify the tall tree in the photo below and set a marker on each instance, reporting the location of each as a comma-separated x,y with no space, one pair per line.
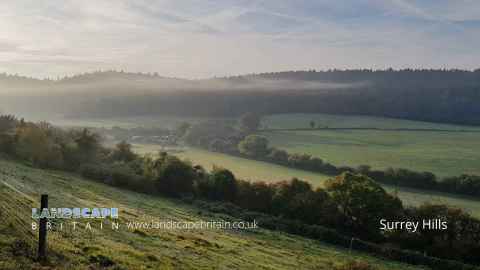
88,144
254,146
363,202
250,122
123,152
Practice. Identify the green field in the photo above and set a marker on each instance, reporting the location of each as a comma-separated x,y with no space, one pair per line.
443,153
296,121
243,168
21,186
262,171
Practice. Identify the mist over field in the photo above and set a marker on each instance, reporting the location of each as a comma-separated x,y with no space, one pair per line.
448,96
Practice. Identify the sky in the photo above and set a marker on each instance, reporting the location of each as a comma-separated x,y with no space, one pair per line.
206,38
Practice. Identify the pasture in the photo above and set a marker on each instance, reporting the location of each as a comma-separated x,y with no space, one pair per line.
445,153
297,121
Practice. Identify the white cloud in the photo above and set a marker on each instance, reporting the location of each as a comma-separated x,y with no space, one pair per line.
194,38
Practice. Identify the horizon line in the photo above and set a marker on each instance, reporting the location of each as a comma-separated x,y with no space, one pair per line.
157,75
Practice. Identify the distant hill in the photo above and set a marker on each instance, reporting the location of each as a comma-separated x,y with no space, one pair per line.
429,95
429,78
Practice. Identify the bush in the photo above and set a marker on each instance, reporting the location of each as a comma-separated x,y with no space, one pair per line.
254,146
95,172
122,176
256,196
278,156
33,144
174,177
223,185
123,152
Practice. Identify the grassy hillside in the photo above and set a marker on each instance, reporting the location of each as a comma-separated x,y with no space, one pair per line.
257,170
443,153
20,187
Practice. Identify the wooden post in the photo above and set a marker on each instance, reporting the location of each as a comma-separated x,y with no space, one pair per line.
351,245
42,231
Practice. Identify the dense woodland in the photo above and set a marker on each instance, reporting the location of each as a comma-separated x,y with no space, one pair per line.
450,96
350,205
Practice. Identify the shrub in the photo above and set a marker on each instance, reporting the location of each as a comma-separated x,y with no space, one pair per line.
173,176
256,196
95,172
254,146
278,156
123,152
223,185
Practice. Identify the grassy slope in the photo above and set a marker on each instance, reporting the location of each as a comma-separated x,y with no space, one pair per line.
20,187
257,170
444,153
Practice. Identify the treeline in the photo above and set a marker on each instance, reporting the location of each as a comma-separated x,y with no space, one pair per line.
450,96
446,105
433,78
235,140
425,78
46,146
350,204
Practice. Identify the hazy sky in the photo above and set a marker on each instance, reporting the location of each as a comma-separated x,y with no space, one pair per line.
201,38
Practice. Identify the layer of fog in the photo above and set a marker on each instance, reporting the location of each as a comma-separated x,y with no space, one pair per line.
132,85
51,99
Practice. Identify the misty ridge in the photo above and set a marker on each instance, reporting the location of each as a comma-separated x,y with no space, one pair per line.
126,83
450,96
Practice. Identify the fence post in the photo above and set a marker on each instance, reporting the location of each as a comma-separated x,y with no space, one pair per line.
42,231
351,245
